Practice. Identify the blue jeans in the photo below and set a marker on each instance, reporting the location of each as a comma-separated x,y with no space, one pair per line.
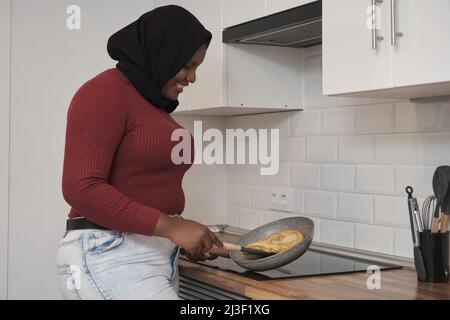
103,264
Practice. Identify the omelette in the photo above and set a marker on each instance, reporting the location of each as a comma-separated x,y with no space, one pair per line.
278,242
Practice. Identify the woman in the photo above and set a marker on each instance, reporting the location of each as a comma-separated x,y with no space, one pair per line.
121,239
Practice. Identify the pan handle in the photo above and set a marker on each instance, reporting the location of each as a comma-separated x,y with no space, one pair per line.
220,252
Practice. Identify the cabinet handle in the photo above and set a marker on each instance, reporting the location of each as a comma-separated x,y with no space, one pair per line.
375,37
394,33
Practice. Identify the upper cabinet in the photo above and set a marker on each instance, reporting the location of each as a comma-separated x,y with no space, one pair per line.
386,48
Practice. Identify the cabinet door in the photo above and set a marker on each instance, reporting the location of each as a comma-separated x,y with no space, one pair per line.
5,14
422,54
239,11
349,62
49,63
274,6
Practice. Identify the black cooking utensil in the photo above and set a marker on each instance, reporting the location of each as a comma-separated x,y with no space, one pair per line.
446,204
440,188
418,257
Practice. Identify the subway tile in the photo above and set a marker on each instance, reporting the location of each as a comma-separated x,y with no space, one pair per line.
239,195
375,119
444,115
305,175
352,101
282,178
270,216
260,198
338,233
314,97
313,68
433,148
395,148
355,207
374,238
321,149
249,218
391,211
298,202
232,217
250,174
292,148
321,204
358,149
232,172
280,121
338,177
419,177
338,121
375,179
306,123
413,117
403,243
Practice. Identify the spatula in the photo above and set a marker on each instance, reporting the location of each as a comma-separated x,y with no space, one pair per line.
446,204
440,188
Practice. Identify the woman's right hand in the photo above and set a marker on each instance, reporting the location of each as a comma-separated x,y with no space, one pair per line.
195,238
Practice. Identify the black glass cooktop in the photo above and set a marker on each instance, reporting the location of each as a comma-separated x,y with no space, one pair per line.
312,263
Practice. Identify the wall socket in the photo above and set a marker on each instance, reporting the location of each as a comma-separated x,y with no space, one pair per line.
281,199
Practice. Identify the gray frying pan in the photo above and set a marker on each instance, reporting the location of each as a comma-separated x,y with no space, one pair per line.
255,263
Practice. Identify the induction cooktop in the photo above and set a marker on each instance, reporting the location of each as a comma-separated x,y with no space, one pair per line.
312,263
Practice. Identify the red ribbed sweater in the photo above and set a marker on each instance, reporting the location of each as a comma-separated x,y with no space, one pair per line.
118,170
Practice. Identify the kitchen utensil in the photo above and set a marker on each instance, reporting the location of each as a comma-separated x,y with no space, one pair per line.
236,247
440,188
428,208
301,224
446,204
413,213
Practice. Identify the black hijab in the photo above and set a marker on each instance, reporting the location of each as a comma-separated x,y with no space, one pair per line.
152,50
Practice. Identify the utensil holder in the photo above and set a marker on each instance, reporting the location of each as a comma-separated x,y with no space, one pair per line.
434,248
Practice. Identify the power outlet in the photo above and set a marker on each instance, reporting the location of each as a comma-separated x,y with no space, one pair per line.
281,199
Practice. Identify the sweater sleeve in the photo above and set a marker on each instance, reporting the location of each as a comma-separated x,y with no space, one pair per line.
96,124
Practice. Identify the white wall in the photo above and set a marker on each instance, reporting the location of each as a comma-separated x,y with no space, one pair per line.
49,62
348,161
5,13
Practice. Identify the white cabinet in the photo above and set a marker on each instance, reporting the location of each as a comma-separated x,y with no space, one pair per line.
239,11
5,14
422,55
274,6
360,62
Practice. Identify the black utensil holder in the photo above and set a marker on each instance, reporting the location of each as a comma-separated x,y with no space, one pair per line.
434,247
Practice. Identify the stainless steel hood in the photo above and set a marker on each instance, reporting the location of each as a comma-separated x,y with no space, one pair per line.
298,27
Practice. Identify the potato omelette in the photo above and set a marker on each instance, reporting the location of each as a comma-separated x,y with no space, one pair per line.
278,242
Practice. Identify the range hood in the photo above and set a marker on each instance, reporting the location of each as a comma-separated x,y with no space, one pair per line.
298,27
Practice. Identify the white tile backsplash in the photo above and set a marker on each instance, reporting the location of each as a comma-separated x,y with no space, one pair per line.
375,118
338,121
374,238
340,177
306,123
250,219
338,233
305,175
357,149
395,148
355,207
322,149
321,204
375,179
250,174
348,161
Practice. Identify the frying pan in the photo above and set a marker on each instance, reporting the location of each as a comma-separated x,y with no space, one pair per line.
255,263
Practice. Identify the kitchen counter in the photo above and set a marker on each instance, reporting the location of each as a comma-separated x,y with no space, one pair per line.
395,284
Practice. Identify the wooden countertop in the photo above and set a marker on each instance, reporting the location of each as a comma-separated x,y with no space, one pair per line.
395,284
